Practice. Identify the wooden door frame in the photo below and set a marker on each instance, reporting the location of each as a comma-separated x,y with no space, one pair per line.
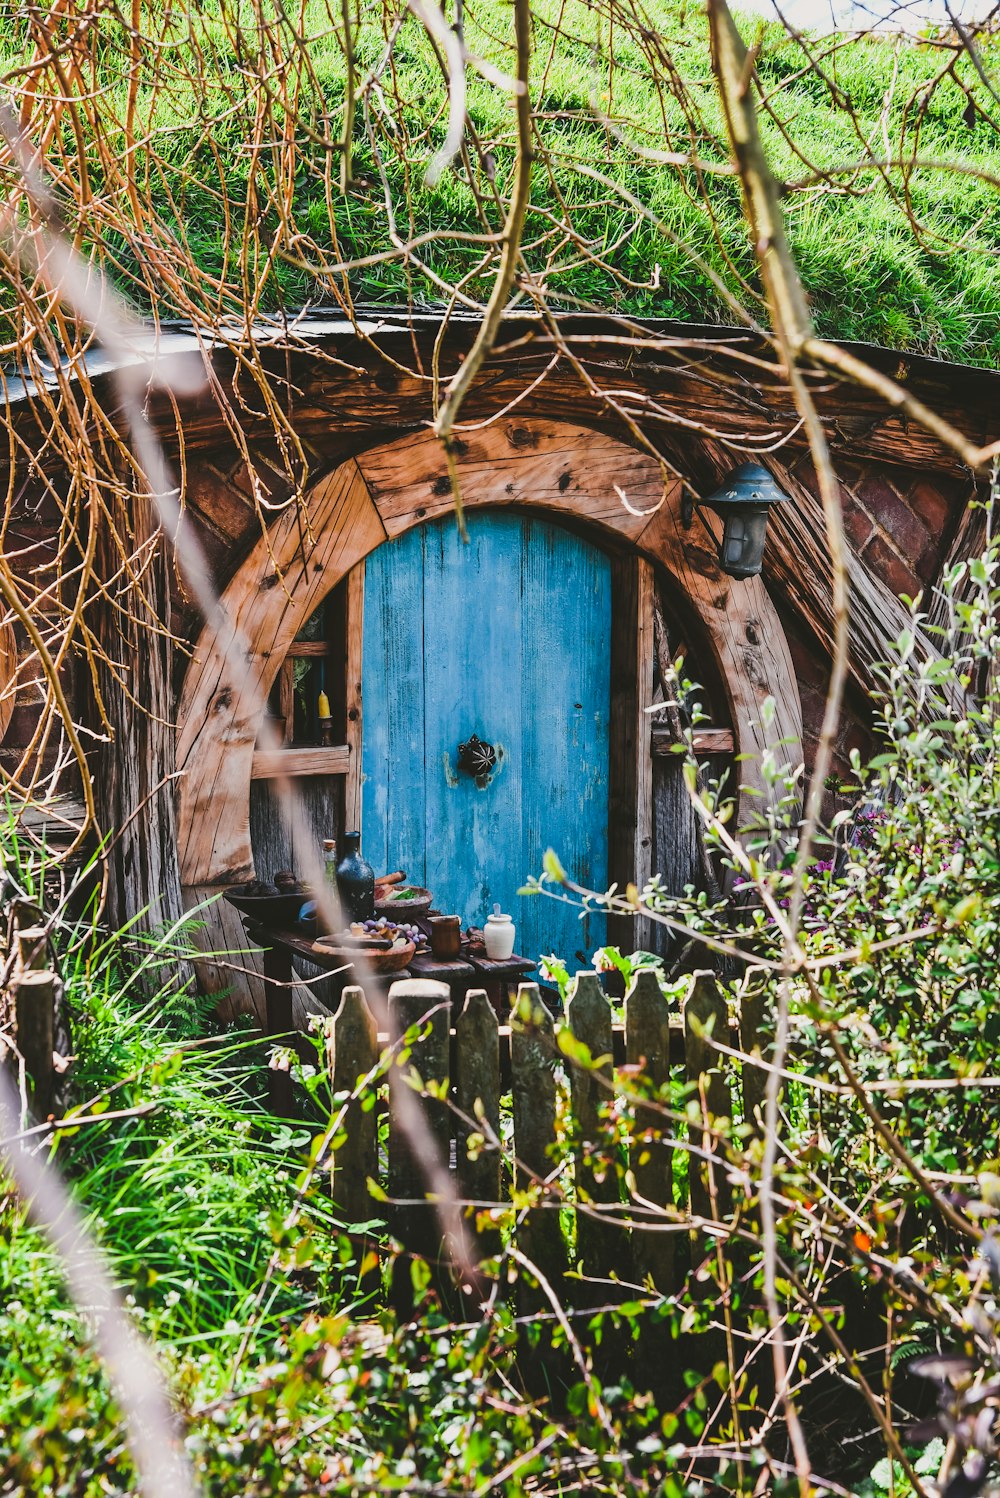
555,468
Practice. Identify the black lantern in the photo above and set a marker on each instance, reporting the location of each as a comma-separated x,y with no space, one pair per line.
743,501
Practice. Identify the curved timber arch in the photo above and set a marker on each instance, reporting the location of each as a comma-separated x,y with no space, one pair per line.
555,467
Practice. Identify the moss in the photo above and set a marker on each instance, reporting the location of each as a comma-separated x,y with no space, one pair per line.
903,259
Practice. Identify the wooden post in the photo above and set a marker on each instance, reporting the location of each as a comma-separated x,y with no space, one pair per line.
599,1244
477,1056
32,948
754,1077
647,1046
533,1085
34,1021
706,1008
354,1053
414,1221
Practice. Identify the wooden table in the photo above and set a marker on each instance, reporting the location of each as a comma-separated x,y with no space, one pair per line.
279,948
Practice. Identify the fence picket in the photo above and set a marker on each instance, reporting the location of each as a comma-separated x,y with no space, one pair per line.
353,1053
477,1091
600,1244
34,1031
534,1091
647,1045
754,1077
706,1006
413,1220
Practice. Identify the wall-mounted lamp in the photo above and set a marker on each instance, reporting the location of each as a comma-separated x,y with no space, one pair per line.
742,501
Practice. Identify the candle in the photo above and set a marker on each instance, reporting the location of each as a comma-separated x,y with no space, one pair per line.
323,706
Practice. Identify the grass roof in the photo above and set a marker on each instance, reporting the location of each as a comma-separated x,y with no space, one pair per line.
202,166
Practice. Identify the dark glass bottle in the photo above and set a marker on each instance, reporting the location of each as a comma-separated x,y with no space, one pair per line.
355,881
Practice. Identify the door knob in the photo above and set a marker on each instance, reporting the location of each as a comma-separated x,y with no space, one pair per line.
476,757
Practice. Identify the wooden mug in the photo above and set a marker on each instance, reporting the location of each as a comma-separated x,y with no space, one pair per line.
446,936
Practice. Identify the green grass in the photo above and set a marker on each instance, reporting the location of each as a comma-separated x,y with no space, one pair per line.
905,260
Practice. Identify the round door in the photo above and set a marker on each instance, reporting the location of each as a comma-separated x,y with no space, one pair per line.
485,686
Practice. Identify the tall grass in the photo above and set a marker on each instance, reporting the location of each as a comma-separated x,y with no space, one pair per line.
187,1197
906,258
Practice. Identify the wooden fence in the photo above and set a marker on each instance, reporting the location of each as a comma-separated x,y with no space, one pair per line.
497,1098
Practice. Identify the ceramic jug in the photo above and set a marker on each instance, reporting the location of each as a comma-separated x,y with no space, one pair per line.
498,934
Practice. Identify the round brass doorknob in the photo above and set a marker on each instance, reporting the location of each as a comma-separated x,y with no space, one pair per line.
475,756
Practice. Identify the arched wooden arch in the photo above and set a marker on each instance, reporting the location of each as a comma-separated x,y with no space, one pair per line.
8,676
556,467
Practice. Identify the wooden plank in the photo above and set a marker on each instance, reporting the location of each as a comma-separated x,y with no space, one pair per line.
394,764
555,464
566,602
267,602
286,700
271,764
647,1051
706,1017
353,696
353,1054
704,741
8,675
630,772
477,1093
601,1248
539,1232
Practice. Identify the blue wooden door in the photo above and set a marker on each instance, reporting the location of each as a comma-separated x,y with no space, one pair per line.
506,637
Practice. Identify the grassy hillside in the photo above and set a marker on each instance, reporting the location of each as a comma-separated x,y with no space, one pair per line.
227,194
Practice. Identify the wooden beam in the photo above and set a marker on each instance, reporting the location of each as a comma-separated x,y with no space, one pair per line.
552,464
8,676
301,650
630,770
328,759
355,717
704,741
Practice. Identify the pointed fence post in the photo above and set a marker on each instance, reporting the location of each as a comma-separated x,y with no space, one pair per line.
705,1009
354,1054
601,1246
754,1077
414,1221
34,1033
533,1083
647,1046
477,1063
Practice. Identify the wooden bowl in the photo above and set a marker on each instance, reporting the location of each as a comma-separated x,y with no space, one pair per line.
279,911
379,963
404,910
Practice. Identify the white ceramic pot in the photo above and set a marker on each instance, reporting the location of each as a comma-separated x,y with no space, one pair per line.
498,934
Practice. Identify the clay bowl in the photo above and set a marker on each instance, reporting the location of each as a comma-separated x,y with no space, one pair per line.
378,962
279,911
404,910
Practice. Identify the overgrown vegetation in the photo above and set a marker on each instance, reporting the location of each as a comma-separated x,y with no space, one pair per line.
886,1185
201,164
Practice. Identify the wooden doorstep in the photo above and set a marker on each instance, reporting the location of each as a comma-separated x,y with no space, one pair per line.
705,741
332,759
